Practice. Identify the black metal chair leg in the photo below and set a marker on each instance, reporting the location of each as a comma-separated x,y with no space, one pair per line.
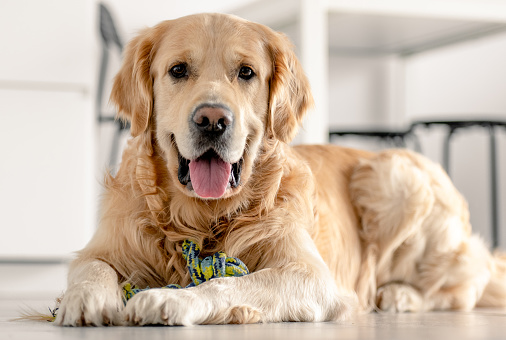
446,151
493,188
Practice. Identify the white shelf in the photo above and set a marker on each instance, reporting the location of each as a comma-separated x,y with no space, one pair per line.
395,26
388,34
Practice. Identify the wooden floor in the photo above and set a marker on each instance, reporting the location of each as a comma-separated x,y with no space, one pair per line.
479,324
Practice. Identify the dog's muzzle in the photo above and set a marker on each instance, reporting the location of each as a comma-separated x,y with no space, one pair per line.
209,175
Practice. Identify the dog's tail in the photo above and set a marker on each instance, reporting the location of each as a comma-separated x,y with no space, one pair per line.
495,291
31,314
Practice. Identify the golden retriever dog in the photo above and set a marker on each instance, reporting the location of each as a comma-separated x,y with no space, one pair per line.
213,102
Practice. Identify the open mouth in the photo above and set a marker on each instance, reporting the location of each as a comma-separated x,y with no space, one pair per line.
209,175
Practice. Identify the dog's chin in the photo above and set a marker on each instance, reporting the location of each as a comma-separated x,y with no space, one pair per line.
213,177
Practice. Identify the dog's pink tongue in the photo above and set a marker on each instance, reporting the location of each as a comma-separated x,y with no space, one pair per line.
210,177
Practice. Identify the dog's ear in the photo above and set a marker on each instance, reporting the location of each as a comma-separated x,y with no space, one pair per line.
290,94
132,91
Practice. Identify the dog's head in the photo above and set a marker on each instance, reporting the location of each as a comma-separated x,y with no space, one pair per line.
210,87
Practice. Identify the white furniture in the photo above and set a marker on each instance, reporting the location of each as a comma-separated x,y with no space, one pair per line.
48,180
47,172
388,30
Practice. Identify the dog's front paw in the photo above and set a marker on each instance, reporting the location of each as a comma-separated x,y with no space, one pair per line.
90,304
167,307
399,298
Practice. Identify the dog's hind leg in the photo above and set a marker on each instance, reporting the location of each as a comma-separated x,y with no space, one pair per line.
418,224
453,280
393,197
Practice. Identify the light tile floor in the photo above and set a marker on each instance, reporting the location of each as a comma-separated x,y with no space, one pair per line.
479,324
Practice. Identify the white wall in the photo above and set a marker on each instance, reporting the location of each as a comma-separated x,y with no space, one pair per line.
360,92
460,80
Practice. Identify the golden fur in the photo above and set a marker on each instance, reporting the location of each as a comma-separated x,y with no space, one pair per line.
324,230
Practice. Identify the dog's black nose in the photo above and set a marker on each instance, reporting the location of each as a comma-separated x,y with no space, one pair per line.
212,119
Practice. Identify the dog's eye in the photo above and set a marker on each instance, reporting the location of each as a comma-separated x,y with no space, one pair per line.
179,71
246,73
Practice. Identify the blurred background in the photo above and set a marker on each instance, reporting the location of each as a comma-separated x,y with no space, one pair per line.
429,75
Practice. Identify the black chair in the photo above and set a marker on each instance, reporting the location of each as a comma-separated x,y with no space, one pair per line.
396,138
110,40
